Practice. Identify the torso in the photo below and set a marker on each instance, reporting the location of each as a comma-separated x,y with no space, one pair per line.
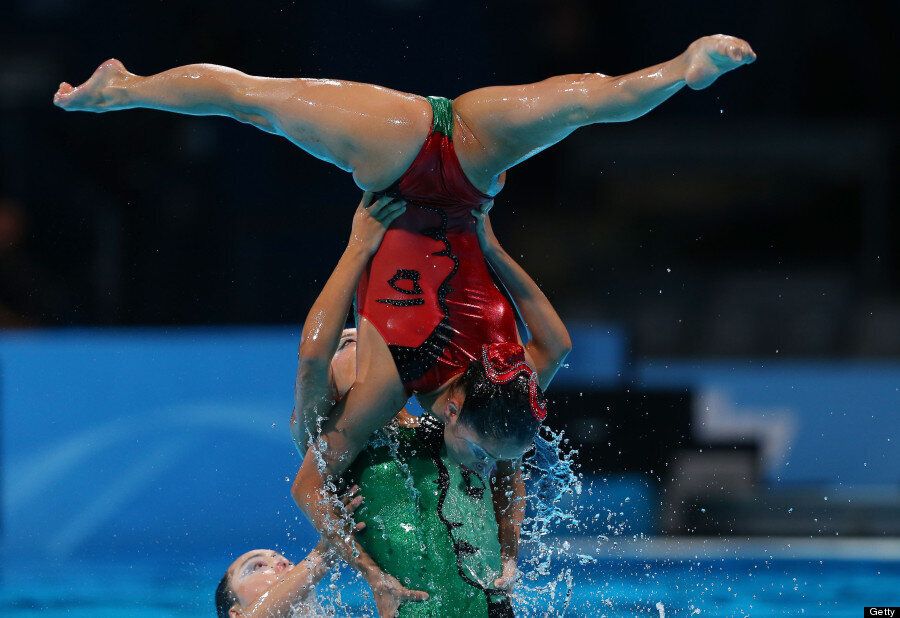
428,290
429,522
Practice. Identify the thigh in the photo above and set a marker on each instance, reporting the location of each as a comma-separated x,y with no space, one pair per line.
501,126
375,398
371,131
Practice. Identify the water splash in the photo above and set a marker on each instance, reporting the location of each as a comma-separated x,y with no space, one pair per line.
546,584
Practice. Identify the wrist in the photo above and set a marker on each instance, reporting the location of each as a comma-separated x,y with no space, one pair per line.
491,249
358,251
371,573
323,554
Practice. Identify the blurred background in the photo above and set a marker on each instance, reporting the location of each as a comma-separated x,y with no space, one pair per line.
728,265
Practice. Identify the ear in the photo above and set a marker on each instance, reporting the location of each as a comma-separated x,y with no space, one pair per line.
454,405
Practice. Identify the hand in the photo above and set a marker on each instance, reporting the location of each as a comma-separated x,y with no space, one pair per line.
351,502
371,220
483,227
390,593
710,57
508,577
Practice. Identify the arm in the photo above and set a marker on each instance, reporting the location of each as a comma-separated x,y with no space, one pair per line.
376,396
368,405
313,391
508,494
282,598
550,342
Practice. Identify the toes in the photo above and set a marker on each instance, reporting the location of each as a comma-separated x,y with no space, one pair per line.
62,93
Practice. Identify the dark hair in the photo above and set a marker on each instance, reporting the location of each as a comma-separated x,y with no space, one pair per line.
225,596
498,411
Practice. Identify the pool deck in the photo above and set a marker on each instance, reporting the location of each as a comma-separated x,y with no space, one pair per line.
743,548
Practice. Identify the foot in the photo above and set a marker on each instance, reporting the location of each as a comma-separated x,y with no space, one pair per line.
104,91
712,56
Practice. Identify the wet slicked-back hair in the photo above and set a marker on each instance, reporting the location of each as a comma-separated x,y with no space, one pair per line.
225,597
497,411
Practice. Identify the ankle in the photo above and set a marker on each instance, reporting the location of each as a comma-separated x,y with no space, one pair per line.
120,92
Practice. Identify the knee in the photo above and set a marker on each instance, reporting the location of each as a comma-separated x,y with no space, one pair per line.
253,118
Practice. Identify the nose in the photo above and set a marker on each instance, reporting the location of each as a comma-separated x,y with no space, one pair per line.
282,565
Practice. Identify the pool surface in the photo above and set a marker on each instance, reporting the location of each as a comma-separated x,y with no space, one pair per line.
609,587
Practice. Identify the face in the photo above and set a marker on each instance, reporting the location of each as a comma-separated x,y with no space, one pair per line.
476,452
252,574
343,364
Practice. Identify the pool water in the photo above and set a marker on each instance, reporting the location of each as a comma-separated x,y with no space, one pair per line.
608,587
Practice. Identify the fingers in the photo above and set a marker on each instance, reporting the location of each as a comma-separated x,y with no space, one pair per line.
482,210
412,595
503,583
379,205
352,505
387,213
394,215
349,495
366,199
351,500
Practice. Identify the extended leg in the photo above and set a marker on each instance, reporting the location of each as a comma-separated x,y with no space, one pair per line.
503,125
371,131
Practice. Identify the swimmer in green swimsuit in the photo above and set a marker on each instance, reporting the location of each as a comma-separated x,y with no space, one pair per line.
442,516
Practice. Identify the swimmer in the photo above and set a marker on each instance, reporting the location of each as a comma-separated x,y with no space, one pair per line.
474,442
263,583
376,132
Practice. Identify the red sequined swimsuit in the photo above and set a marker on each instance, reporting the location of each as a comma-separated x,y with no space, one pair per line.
428,289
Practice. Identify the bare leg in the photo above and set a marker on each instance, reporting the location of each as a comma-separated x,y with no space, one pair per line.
498,127
371,131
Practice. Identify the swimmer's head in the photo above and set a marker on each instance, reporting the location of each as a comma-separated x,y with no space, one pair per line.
247,579
343,363
487,420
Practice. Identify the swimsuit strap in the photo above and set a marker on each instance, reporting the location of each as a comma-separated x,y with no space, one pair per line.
442,114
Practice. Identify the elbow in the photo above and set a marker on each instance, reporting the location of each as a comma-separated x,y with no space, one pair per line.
298,434
312,352
561,349
299,493
311,366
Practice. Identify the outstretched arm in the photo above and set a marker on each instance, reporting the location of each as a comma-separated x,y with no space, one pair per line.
314,391
281,599
550,342
375,398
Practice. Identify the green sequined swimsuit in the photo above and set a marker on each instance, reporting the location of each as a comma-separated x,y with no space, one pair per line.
430,523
